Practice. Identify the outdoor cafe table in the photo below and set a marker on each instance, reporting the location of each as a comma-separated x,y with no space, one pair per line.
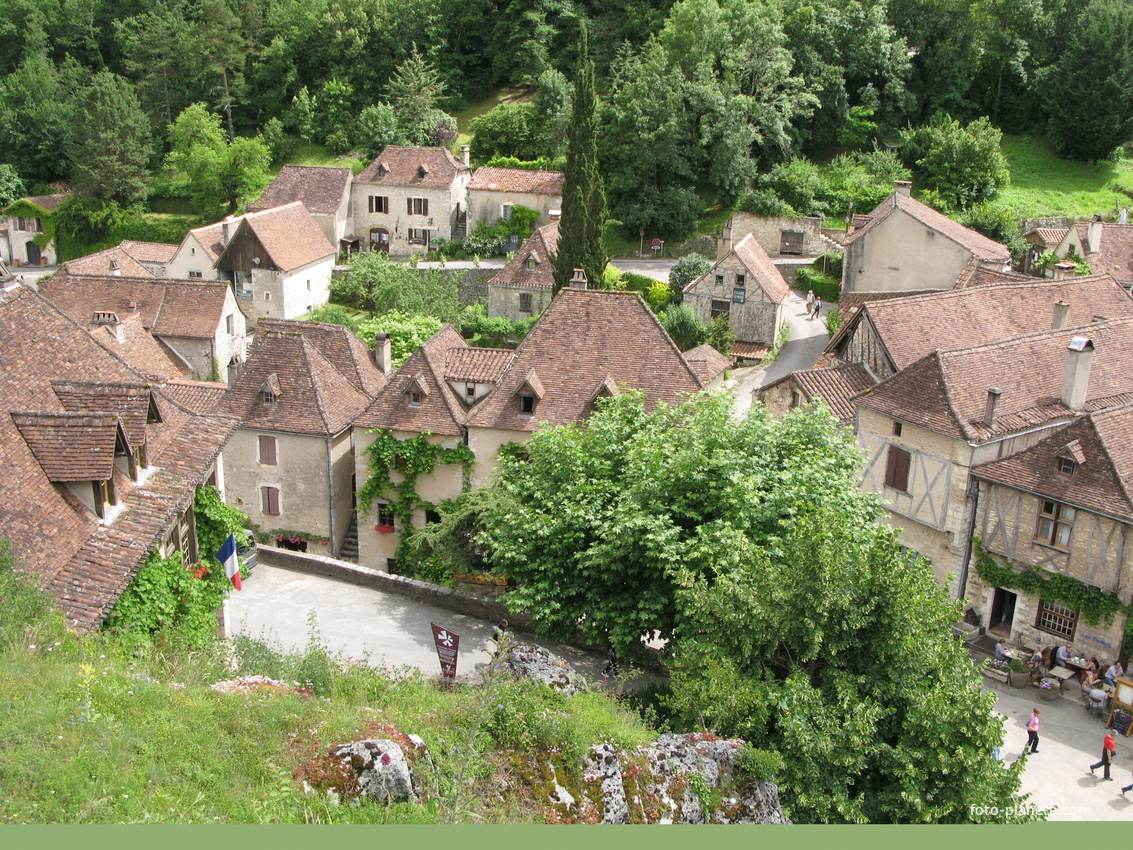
1062,674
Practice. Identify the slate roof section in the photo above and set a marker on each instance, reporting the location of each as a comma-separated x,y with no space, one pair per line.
440,411
340,346
320,188
981,246
289,235
476,365
1103,480
70,446
156,253
313,397
172,308
540,246
946,391
400,165
584,336
83,563
835,386
707,362
520,180
195,396
910,327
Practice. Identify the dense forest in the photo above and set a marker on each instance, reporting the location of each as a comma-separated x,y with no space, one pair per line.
697,98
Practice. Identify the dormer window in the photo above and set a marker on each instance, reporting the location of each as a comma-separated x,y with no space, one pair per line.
383,169
104,497
526,405
1070,458
530,264
422,171
415,394
528,395
267,395
416,397
1067,465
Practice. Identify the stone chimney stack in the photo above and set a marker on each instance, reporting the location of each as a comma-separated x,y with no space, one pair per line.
993,395
114,269
466,155
228,227
903,187
724,245
1094,235
383,354
1079,355
109,319
578,279
1061,314
1064,270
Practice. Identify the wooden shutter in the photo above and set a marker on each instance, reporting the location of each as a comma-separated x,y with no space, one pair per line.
267,450
271,501
897,469
424,206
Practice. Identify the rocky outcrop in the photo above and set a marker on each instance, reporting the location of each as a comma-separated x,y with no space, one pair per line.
528,661
383,772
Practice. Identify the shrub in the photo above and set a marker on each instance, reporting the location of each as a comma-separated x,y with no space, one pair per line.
508,130
824,286
685,327
965,164
765,202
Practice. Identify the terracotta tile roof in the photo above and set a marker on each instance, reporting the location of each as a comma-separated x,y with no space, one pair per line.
910,327
982,247
337,344
476,365
130,403
1103,445
540,246
1115,250
211,237
44,358
49,202
399,165
195,396
106,262
70,446
750,350
312,396
707,362
849,303
157,253
321,189
946,391
583,338
835,386
759,266
1050,236
140,350
440,411
172,308
517,180
289,235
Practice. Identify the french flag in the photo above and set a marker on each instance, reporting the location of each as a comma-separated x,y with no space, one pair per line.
227,556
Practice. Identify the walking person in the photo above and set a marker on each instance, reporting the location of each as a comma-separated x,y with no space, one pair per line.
809,301
1126,788
1109,750
611,668
1033,731
817,307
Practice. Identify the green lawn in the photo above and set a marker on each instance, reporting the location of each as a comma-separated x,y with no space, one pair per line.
1044,185
313,154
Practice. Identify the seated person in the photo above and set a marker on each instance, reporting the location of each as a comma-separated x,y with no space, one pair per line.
1091,678
1062,655
1112,672
1001,650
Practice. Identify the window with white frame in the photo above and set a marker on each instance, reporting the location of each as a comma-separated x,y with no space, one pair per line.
1056,618
1056,523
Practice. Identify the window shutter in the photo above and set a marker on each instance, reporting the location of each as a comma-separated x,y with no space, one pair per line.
271,501
897,468
409,206
267,450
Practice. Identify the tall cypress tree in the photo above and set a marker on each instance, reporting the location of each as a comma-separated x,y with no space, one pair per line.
584,198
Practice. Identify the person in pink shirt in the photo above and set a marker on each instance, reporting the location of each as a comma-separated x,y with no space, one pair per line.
1033,731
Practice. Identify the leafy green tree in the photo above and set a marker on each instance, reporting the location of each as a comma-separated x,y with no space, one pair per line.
793,616
584,197
508,130
414,92
301,115
334,115
553,95
219,42
84,225
684,271
377,128
157,49
11,186
964,164
37,116
670,213
381,285
685,327
407,332
1090,87
110,158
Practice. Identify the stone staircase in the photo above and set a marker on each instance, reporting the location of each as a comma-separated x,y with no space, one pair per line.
460,229
349,550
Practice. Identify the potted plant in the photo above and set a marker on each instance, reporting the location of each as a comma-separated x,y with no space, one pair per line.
997,669
1018,676
1050,689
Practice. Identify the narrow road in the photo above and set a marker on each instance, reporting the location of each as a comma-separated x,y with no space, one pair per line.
808,338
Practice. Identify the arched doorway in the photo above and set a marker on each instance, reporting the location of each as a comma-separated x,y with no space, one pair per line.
379,239
33,253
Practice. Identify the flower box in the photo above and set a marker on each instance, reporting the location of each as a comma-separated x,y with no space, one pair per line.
384,529
995,673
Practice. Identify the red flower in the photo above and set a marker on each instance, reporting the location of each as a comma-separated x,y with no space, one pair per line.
383,529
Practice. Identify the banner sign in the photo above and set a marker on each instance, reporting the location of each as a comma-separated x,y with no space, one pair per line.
447,645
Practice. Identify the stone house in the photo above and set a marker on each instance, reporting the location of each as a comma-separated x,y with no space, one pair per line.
782,236
26,240
745,286
196,256
587,345
128,259
101,466
323,190
906,245
1107,247
1061,506
291,463
408,197
925,428
523,287
889,335
197,322
836,386
492,192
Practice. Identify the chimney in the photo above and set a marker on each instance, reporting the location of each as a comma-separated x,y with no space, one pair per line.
466,155
109,319
114,270
554,215
226,228
1064,270
578,279
724,245
1061,314
1079,354
993,395
903,187
383,354
235,370
1094,234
